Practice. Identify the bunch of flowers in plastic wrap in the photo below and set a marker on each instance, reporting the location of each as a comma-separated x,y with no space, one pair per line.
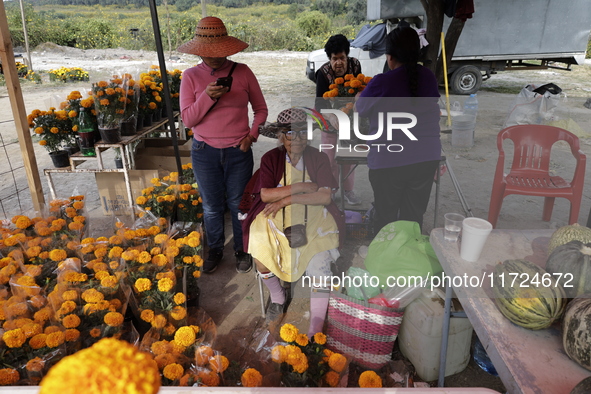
109,102
150,98
74,102
33,339
307,363
159,199
174,83
189,202
123,369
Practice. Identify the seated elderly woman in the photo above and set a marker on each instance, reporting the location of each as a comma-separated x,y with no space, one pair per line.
294,187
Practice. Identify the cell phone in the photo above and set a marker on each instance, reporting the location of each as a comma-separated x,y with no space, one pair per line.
224,81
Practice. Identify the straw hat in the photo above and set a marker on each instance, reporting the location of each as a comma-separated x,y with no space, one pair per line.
291,117
212,40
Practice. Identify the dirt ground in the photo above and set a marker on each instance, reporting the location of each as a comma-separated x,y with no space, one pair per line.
232,299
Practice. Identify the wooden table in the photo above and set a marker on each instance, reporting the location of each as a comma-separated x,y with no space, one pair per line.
527,361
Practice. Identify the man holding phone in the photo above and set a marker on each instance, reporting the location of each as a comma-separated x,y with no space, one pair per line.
214,100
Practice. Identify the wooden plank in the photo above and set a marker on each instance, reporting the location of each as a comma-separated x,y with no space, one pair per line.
19,112
527,361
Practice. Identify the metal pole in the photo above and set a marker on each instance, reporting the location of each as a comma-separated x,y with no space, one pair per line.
26,35
165,86
203,9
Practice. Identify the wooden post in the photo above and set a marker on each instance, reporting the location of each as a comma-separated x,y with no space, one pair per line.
19,112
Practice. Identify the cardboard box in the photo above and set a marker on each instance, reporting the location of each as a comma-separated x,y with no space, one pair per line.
113,192
158,154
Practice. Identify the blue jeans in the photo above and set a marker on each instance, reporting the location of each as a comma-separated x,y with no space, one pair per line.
221,176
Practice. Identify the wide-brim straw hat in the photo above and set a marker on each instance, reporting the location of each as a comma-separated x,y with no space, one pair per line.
212,40
290,118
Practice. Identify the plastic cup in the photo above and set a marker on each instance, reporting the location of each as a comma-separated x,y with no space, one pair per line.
475,231
453,226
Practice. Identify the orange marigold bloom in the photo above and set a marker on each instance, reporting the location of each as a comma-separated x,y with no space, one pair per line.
55,339
337,362
9,377
251,377
71,321
202,355
58,255
159,321
113,319
370,379
147,315
173,371
35,365
72,335
332,378
14,338
95,332
219,363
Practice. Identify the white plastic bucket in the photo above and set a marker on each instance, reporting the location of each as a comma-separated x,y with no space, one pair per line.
462,131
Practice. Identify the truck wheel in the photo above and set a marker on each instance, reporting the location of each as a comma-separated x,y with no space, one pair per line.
466,80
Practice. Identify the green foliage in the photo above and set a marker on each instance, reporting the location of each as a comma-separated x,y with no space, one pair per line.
313,23
330,7
357,11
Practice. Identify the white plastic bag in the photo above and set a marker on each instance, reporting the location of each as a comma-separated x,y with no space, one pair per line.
530,107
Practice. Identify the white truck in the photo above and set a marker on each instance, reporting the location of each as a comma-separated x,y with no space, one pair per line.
502,35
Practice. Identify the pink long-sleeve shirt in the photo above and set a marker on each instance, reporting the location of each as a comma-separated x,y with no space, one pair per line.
226,124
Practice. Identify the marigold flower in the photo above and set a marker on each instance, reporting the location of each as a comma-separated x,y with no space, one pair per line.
332,378
71,321
109,281
208,378
251,378
121,365
55,339
288,332
185,336
178,313
278,354
339,81
219,363
35,365
197,274
194,242
160,347
337,362
319,338
147,315
9,377
165,284
302,339
370,379
38,341
143,284
15,338
159,321
42,315
95,332
113,319
202,355
160,260
72,335
58,255
144,257
173,371
179,298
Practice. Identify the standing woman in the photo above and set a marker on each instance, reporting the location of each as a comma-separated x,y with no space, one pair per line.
218,115
339,64
401,179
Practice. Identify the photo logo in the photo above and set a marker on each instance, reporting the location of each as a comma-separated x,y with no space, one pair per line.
392,122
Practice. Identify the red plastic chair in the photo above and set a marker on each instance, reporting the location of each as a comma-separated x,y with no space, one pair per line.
529,172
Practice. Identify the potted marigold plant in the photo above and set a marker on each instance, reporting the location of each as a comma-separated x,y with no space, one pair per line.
53,129
109,103
129,124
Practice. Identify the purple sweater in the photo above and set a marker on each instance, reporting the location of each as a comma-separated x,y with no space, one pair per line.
390,92
227,123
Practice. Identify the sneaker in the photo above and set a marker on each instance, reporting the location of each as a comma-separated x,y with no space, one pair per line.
351,198
274,312
243,262
213,260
